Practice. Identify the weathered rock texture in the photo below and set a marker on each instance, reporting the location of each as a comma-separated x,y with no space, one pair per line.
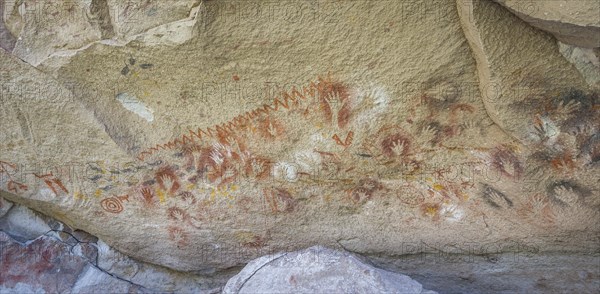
574,22
211,133
36,30
41,255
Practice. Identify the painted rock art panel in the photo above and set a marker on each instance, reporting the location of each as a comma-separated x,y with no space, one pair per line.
257,164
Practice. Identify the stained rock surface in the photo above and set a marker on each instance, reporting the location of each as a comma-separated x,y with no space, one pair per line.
55,258
200,135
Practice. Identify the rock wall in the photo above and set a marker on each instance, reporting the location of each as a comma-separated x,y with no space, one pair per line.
199,135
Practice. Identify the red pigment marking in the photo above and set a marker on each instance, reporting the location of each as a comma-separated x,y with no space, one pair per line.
502,156
271,129
397,139
346,142
11,185
320,88
167,173
147,195
279,200
112,205
50,180
338,96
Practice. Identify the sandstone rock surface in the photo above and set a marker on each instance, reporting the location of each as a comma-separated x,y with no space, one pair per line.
35,30
574,22
211,133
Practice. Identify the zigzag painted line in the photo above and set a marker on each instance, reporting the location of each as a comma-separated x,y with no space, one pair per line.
312,90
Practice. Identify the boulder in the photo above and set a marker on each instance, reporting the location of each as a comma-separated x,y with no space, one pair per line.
23,225
318,270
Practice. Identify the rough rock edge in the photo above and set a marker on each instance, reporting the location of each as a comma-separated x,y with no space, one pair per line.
585,60
144,37
578,34
486,82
